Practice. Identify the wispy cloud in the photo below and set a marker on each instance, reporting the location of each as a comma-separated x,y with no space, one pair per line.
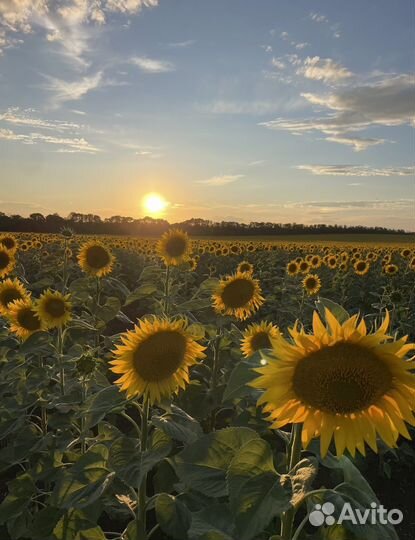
152,65
356,170
221,180
66,144
181,44
25,118
323,69
63,90
318,17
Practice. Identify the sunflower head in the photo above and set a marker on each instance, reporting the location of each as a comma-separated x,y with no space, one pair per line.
23,318
174,247
155,357
95,259
312,284
7,261
361,267
9,242
53,309
238,295
292,268
11,290
245,267
303,267
391,269
340,382
257,337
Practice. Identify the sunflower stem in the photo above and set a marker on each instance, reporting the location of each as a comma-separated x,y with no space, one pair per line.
167,292
65,266
43,411
215,373
142,488
60,361
293,457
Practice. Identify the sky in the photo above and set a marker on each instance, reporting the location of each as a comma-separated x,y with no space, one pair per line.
247,110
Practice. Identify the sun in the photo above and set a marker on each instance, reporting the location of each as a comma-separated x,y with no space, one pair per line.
154,204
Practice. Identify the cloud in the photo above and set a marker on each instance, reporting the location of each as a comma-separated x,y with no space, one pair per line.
66,24
278,63
253,107
323,69
63,91
284,35
151,65
182,44
356,170
358,143
318,17
18,117
66,144
387,102
221,180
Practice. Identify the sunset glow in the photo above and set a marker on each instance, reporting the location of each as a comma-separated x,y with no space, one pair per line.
154,204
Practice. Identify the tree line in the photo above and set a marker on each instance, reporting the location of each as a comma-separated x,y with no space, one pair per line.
148,226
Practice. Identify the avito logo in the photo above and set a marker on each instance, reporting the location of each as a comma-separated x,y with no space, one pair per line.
323,514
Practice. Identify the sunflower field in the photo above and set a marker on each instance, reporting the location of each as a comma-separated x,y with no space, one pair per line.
189,389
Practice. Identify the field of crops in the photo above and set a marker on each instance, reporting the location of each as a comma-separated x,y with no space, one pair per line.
192,389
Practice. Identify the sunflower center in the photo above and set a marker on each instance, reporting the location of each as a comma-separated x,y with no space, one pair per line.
8,296
176,246
260,340
97,257
55,307
311,283
27,319
343,378
238,293
245,267
361,265
160,355
4,259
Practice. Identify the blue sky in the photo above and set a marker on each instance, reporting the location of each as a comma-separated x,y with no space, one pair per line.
263,110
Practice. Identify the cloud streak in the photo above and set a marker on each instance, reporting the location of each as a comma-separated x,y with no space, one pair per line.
356,170
221,180
152,65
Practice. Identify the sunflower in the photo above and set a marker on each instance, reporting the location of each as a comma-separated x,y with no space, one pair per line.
95,259
340,382
9,242
391,269
192,262
155,357
7,261
238,295
174,247
23,318
257,337
315,261
53,309
361,267
11,290
312,284
331,262
292,268
245,266
303,267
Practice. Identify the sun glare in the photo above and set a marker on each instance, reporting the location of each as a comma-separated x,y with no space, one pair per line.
154,204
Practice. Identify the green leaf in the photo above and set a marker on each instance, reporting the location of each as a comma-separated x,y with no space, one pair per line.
160,447
179,425
109,310
202,465
103,402
241,375
212,523
257,493
146,289
338,311
124,459
96,533
71,523
44,522
39,341
173,516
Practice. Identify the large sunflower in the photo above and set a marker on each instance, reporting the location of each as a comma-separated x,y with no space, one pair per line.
53,309
7,261
154,358
257,337
11,290
340,382
174,247
238,295
23,318
245,266
95,259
